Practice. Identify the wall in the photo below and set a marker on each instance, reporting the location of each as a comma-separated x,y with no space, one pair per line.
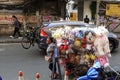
87,8
6,26
11,1
6,17
50,7
80,10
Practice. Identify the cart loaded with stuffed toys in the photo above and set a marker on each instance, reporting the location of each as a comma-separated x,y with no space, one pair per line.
79,47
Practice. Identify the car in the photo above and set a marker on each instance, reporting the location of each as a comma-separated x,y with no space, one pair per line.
113,41
50,29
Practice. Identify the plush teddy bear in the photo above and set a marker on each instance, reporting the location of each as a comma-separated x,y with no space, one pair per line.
101,45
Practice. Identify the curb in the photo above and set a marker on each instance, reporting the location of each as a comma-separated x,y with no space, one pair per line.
7,39
10,41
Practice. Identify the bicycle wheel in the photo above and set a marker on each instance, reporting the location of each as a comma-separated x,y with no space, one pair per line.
117,77
81,70
26,43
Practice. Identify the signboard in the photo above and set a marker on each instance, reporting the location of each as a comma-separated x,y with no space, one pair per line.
73,16
113,9
46,18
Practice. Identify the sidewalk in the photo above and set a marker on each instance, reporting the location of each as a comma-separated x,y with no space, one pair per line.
7,39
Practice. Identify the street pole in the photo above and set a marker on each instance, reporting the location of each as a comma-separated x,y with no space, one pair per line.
97,11
37,18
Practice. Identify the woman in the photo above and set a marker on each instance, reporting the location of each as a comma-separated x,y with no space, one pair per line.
50,53
17,26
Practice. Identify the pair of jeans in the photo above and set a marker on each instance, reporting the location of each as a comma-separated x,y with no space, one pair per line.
16,31
51,67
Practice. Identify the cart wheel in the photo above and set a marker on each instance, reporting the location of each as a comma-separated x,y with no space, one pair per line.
81,69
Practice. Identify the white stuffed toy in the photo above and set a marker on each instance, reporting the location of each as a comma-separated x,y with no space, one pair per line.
101,44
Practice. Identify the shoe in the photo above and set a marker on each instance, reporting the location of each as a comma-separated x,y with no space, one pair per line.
33,45
56,76
19,37
11,36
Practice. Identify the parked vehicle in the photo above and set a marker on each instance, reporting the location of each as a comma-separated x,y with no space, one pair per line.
113,39
31,36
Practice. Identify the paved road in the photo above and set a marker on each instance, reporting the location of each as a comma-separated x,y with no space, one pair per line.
14,58
115,59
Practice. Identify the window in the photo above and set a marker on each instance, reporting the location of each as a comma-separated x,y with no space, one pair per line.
75,6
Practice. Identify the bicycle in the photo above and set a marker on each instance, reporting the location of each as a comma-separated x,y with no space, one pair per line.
30,36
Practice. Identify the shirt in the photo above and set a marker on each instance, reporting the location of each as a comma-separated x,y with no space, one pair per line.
16,24
50,49
86,20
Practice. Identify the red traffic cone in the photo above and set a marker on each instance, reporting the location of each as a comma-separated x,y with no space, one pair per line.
20,75
37,76
66,75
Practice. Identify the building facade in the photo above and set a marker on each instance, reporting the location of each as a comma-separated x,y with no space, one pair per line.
36,11
29,11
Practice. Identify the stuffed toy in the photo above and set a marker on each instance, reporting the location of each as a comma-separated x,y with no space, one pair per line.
64,46
77,42
105,33
101,44
57,34
83,42
89,53
90,36
80,34
70,54
77,45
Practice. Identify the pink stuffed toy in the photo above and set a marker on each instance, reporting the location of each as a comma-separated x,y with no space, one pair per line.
101,44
